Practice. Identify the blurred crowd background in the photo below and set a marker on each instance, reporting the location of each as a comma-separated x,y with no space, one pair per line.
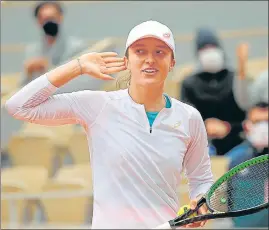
222,70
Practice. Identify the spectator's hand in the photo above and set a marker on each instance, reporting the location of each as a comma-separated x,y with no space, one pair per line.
242,55
100,65
38,64
217,128
201,211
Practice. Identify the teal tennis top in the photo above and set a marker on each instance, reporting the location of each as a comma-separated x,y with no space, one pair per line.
152,115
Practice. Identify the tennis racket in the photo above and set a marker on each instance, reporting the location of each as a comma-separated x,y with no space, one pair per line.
241,191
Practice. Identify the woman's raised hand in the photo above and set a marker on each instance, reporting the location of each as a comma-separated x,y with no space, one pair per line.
101,65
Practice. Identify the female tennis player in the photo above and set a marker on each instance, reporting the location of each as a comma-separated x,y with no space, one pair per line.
141,139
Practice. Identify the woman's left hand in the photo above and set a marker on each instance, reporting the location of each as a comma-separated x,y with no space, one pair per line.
201,211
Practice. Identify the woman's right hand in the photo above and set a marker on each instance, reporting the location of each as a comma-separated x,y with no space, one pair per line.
100,65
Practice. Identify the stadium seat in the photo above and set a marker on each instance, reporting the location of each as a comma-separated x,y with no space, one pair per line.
78,147
12,214
32,150
9,83
33,177
24,179
59,135
69,178
74,172
69,210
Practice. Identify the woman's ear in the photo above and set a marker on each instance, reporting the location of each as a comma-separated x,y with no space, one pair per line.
126,62
173,62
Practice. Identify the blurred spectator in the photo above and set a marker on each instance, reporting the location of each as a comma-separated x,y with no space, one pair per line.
54,47
259,89
249,92
210,90
5,161
256,144
256,133
252,92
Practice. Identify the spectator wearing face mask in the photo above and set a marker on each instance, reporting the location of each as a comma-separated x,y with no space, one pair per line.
256,134
54,47
256,144
210,90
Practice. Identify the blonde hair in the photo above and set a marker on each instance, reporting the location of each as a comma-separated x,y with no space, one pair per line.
124,78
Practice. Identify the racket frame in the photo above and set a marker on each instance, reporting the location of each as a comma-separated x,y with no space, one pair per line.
183,220
177,222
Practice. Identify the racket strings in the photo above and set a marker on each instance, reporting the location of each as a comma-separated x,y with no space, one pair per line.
246,189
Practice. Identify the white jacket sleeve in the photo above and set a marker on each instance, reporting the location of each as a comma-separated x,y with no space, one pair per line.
196,162
36,103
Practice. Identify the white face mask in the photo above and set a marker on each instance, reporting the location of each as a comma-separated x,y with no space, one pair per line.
258,135
212,59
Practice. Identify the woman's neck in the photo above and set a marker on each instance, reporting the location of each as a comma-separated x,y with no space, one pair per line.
151,97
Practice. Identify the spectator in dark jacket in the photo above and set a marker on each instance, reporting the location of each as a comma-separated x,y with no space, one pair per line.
210,90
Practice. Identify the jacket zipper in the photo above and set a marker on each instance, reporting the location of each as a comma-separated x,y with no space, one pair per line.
150,127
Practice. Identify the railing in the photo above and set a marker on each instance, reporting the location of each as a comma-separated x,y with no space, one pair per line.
60,194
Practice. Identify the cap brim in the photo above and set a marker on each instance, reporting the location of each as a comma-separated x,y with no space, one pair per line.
150,36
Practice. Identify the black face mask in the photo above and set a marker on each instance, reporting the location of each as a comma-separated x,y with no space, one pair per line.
51,28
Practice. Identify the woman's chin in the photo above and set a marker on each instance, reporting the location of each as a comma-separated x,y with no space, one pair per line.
149,81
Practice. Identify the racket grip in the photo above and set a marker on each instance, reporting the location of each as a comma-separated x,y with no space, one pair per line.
187,214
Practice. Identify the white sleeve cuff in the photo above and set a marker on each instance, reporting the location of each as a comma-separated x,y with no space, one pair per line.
200,189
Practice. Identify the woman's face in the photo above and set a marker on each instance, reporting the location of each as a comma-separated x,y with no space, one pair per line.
149,61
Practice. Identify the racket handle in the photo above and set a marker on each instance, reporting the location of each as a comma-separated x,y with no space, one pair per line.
164,226
190,211
187,214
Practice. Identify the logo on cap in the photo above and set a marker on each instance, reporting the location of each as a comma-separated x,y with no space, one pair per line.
166,35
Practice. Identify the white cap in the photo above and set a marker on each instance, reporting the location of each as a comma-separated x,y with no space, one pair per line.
151,29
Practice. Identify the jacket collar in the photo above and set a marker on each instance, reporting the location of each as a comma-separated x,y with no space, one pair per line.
134,104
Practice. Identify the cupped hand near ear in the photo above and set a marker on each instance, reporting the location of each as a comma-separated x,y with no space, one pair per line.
101,65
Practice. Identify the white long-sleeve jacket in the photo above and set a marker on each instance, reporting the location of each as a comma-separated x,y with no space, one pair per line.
136,172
